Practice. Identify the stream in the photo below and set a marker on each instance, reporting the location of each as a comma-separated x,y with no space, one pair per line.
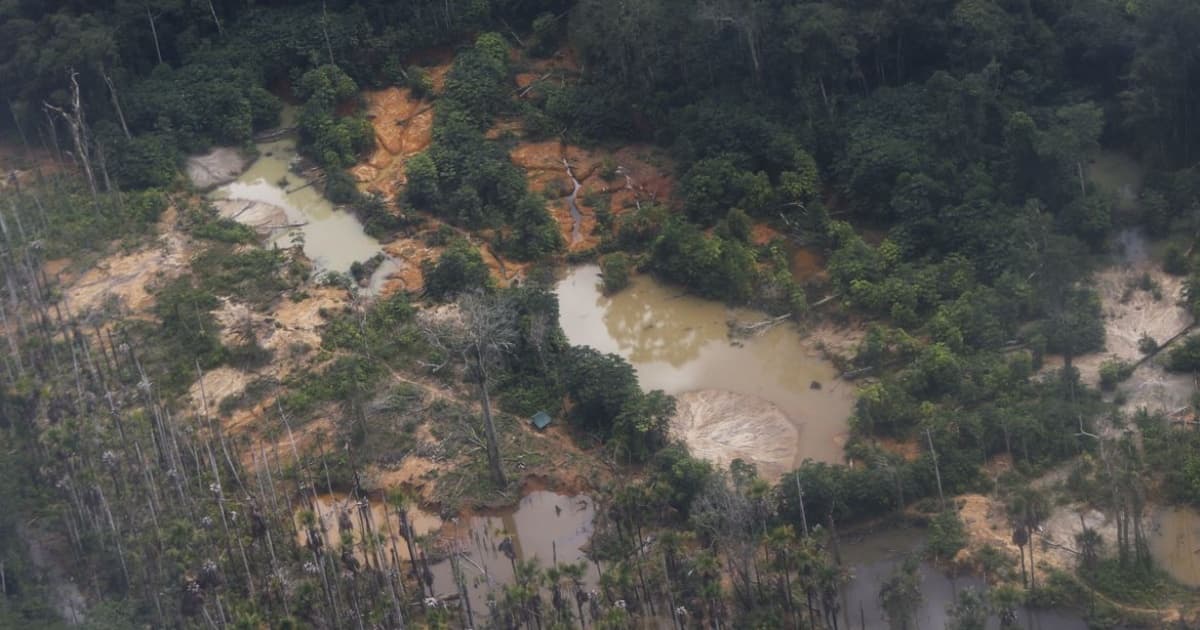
576,215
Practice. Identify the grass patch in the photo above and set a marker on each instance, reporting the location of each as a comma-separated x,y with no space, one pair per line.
1135,585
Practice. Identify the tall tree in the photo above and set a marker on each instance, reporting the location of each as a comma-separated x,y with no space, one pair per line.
482,334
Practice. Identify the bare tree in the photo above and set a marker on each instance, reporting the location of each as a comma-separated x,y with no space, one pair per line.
481,334
77,125
112,93
741,15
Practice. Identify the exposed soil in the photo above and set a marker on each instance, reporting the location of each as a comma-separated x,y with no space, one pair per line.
264,218
909,450
215,168
214,387
409,254
761,234
835,340
125,277
21,167
1137,298
403,127
721,426
635,179
986,521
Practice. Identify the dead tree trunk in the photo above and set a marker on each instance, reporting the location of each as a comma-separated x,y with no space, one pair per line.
112,94
489,424
154,33
79,132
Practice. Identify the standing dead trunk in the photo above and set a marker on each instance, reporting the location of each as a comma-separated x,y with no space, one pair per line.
112,94
216,20
489,424
936,470
154,33
325,32
79,132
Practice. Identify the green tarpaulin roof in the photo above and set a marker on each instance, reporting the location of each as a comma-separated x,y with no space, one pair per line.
540,419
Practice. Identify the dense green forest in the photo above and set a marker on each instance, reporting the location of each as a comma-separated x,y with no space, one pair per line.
935,152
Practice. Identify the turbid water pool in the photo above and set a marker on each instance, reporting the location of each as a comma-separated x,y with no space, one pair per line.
873,558
679,343
549,528
292,210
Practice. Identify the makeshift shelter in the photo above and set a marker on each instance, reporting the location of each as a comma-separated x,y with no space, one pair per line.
540,420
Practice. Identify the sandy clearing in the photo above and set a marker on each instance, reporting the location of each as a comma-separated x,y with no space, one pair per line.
215,168
125,277
721,426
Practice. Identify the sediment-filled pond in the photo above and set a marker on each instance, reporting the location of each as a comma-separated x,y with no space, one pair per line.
549,528
288,208
1175,543
680,344
872,559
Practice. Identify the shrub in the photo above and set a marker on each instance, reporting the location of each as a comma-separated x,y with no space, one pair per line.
1186,356
946,535
460,268
1147,344
419,82
146,161
545,34
1112,372
1174,261
614,272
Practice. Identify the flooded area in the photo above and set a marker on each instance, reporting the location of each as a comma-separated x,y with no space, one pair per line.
547,527
550,528
872,559
288,209
680,344
331,511
332,239
1175,543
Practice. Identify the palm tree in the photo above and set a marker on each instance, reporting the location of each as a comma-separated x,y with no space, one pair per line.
900,594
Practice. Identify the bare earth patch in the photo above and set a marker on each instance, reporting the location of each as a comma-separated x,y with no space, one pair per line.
634,180
216,385
1137,299
403,128
264,218
215,168
721,426
124,277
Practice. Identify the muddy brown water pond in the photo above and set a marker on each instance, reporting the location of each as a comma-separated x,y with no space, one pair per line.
545,526
1175,543
333,239
872,559
679,343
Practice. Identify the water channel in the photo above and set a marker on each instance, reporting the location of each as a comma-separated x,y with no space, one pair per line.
679,343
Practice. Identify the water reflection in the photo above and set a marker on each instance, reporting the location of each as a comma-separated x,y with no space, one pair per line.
872,560
547,527
332,239
679,343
